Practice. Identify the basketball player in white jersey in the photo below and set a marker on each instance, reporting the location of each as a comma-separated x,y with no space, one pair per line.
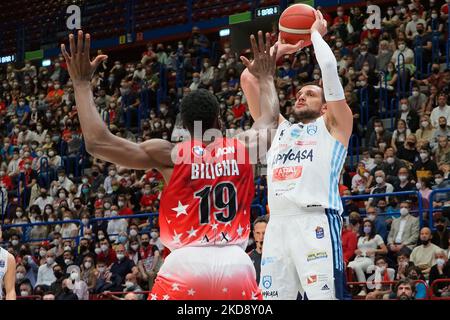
302,247
7,273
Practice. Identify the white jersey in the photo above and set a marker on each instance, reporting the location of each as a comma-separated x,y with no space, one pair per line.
3,266
303,168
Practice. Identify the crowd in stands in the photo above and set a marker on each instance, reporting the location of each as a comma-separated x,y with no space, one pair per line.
47,176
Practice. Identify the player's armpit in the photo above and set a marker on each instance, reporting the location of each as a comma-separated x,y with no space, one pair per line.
339,120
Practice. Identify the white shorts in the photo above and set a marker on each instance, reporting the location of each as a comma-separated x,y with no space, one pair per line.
303,253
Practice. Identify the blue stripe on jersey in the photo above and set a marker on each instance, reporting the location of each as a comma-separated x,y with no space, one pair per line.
338,152
334,159
337,202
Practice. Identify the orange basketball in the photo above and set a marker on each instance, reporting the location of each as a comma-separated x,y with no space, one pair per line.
295,24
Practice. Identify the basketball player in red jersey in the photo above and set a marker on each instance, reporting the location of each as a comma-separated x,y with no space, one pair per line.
205,207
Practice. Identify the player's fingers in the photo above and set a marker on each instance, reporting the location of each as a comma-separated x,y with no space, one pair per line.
73,50
274,55
299,44
254,46
87,44
260,42
316,14
80,42
64,52
245,61
268,43
320,14
99,59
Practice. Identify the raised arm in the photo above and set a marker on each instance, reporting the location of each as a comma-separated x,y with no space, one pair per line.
100,142
251,86
259,137
339,117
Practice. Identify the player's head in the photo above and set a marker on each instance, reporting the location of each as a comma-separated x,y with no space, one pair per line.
310,103
200,105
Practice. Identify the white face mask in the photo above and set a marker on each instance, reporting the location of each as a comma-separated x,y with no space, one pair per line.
404,212
403,178
120,256
390,160
438,180
423,156
104,247
133,232
379,180
87,264
440,262
424,124
154,235
129,284
135,247
97,250
418,185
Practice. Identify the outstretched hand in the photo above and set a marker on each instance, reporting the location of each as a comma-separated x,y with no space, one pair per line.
286,48
320,25
264,63
79,64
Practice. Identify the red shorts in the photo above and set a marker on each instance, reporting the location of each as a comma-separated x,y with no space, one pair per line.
207,273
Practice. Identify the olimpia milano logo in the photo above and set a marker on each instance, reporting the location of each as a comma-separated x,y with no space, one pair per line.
374,19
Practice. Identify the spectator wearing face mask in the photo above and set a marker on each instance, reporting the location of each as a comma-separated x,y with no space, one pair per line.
66,292
441,235
426,130
424,167
77,285
369,245
441,198
379,134
381,186
403,183
123,265
106,253
404,231
365,57
378,221
25,289
382,274
88,272
407,151
441,270
442,110
116,226
45,272
112,174
423,256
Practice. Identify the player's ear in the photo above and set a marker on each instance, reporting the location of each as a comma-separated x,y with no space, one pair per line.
323,109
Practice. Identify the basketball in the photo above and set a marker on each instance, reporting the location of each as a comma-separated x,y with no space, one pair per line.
295,24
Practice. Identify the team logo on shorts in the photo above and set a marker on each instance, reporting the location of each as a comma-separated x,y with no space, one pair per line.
311,129
199,151
319,232
267,282
2,263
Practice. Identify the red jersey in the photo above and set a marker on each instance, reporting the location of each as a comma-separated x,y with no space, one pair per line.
207,201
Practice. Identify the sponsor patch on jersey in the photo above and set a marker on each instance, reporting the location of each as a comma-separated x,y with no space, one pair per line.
267,282
311,129
287,173
198,151
305,143
267,260
319,233
316,255
2,263
295,133
311,279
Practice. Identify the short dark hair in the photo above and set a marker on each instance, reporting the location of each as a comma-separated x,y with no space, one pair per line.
406,281
264,219
200,105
